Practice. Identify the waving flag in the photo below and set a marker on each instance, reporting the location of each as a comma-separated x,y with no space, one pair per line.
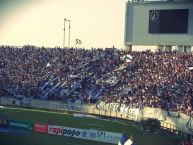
78,41
48,64
191,68
127,58
125,140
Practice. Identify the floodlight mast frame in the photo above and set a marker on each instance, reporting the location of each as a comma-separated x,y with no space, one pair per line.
69,27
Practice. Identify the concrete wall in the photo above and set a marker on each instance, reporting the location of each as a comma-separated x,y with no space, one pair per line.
182,122
137,24
144,48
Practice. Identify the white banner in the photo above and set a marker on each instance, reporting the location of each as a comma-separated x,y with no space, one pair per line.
108,106
191,68
155,113
114,107
173,114
124,109
133,113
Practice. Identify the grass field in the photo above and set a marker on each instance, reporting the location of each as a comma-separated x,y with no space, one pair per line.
64,119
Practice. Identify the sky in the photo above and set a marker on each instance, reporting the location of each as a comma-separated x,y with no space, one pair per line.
97,23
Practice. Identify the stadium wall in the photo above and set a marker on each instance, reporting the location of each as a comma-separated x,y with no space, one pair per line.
137,33
172,120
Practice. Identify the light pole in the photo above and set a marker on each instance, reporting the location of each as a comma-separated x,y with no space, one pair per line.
64,34
68,33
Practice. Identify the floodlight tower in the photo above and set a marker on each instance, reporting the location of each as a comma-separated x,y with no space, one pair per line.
68,32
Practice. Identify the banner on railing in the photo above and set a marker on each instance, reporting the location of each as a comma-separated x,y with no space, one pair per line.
155,113
133,113
173,114
124,109
113,107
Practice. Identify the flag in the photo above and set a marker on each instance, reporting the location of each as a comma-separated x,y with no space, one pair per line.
78,41
48,64
127,58
2,107
125,140
191,68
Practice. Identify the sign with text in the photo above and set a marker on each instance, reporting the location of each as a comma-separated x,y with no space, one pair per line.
40,128
96,135
133,113
20,125
56,130
104,136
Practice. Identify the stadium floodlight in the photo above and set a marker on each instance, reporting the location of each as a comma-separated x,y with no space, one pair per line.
68,32
64,34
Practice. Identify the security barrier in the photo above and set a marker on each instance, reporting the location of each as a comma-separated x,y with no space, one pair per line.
175,121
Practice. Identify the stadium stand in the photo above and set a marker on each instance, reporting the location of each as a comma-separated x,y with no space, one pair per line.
155,79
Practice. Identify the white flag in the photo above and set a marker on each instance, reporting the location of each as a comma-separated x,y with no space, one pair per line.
78,41
125,140
48,64
191,68
127,58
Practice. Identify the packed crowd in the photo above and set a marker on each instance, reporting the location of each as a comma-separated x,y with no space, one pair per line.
162,79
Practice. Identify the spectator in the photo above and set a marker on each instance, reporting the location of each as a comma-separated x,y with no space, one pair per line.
161,79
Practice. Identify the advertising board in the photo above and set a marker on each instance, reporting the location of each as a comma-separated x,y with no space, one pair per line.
40,128
104,136
67,131
20,125
3,123
55,130
96,135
